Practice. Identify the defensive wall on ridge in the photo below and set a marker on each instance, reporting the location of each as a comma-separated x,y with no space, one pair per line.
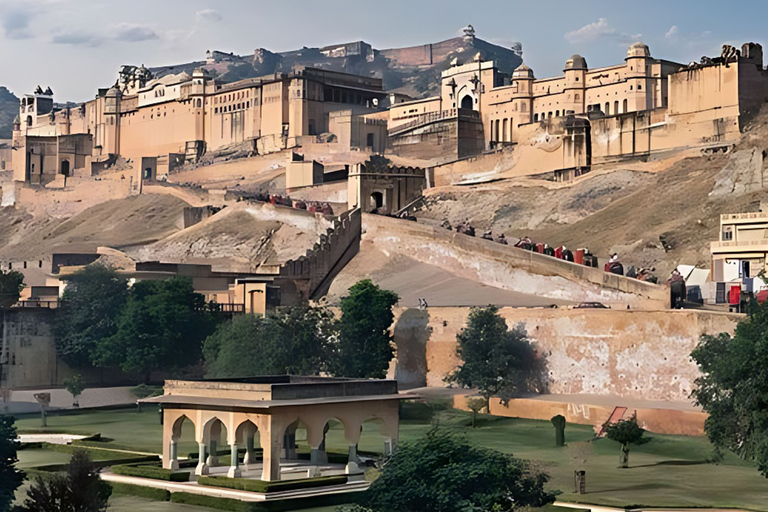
510,268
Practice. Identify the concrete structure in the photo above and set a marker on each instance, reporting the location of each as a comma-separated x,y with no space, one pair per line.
300,173
159,123
741,253
641,107
385,190
270,409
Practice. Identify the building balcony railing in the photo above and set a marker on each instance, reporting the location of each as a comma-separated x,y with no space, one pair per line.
47,304
725,217
736,245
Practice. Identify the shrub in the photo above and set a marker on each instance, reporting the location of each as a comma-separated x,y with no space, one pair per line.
145,391
217,503
141,491
155,473
241,484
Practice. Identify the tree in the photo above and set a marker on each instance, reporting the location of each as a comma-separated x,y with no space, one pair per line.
162,326
11,285
496,361
476,405
364,345
10,477
625,432
732,387
79,490
290,340
75,385
90,307
444,472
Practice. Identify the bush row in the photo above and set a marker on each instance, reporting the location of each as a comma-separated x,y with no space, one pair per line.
153,472
242,484
95,453
141,491
226,503
54,468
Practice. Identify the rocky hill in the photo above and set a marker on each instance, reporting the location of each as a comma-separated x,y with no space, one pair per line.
9,107
413,70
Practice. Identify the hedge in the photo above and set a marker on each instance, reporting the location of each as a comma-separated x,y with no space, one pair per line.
217,503
53,468
95,453
141,491
242,484
155,473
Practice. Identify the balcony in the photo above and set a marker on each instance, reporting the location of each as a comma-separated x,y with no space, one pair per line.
726,218
739,246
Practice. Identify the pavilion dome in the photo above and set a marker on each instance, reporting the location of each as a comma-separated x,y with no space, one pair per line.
639,49
575,62
522,71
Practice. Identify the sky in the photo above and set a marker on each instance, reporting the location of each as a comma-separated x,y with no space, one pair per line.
77,46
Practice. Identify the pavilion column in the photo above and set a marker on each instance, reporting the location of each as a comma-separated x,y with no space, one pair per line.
270,444
250,456
202,467
173,462
289,445
213,458
234,470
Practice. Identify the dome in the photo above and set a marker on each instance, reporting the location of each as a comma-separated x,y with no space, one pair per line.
638,49
522,71
113,91
200,73
576,62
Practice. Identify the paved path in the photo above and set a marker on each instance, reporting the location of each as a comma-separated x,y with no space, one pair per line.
48,438
23,401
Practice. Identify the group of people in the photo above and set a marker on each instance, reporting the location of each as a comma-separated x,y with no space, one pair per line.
614,266
280,200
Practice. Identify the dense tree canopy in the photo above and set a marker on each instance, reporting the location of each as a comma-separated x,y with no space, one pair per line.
11,284
443,472
79,490
91,305
162,326
364,345
733,388
496,361
10,477
289,340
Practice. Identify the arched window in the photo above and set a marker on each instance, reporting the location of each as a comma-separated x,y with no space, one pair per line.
557,113
616,107
504,130
29,121
535,117
625,106
467,103
607,108
577,97
199,103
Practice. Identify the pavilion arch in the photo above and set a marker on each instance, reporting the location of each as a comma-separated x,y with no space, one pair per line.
246,434
178,424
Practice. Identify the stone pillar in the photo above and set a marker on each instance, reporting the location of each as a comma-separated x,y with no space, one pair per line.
202,467
234,470
173,462
389,446
353,454
213,459
289,446
271,448
250,456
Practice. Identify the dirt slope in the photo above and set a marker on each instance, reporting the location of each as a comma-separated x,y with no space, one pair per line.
116,223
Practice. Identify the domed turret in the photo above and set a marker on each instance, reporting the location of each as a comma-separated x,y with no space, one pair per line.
200,73
522,71
114,92
639,49
576,62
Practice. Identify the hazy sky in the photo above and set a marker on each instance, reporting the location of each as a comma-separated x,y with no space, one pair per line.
76,46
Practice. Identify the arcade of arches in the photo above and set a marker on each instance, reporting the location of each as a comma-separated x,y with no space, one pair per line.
268,411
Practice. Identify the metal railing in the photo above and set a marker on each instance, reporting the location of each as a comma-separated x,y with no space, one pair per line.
48,304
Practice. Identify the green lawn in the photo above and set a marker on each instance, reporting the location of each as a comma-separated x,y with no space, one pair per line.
668,471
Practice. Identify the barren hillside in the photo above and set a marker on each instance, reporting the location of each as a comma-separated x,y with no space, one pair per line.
115,223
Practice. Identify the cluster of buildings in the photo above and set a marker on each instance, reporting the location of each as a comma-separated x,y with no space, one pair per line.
563,124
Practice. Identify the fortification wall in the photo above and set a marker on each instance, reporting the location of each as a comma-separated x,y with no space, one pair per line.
635,354
511,268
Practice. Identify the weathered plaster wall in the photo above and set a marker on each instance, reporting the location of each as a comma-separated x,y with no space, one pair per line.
637,354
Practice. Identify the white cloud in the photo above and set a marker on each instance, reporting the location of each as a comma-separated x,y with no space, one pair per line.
16,24
77,38
130,33
599,29
208,15
672,32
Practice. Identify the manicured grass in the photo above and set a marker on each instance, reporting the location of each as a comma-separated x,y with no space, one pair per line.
668,471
